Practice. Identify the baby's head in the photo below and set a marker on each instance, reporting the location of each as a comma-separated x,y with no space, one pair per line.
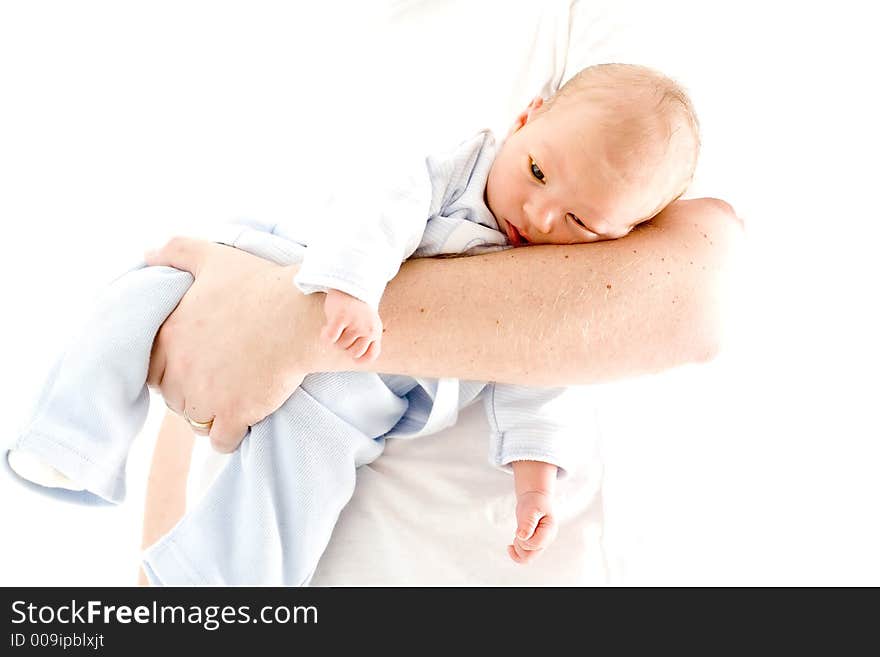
612,148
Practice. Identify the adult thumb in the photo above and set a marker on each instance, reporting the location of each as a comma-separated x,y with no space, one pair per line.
184,253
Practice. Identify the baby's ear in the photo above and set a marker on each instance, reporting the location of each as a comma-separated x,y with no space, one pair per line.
526,115
537,101
519,122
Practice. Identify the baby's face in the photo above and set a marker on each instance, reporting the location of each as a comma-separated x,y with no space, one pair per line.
552,182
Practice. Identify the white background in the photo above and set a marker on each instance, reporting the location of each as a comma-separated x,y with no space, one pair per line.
124,123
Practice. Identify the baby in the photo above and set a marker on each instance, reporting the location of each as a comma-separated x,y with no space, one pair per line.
610,150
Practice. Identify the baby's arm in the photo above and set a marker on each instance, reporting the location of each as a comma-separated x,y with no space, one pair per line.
536,526
352,257
538,433
352,325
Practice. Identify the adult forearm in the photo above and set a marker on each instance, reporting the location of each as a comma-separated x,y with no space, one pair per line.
165,501
555,315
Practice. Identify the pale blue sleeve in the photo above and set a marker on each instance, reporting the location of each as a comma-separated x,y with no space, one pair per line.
369,231
537,424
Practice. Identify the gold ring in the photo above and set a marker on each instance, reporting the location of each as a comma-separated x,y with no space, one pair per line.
201,426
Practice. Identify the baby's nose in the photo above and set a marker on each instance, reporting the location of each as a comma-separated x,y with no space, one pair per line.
544,220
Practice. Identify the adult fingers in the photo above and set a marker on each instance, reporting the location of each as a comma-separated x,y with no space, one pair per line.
164,378
179,252
198,421
226,435
200,431
177,410
156,370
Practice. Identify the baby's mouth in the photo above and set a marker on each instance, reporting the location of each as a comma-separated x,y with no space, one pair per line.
513,234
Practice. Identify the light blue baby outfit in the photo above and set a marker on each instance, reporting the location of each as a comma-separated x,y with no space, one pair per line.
269,515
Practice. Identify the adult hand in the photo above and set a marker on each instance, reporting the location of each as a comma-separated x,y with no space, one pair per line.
226,355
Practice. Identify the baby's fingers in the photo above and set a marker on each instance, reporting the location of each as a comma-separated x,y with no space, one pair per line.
372,352
332,331
520,554
359,347
544,535
350,337
527,521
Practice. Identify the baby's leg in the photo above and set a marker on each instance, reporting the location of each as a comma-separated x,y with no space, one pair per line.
95,400
268,516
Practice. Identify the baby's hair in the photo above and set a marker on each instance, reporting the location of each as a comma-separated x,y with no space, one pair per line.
644,110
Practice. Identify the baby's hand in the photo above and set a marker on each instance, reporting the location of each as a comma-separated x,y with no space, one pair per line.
535,526
352,325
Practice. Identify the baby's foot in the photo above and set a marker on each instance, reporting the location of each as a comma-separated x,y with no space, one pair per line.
535,526
30,467
352,325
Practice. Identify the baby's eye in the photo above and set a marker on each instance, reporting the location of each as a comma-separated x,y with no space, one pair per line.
536,170
579,222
